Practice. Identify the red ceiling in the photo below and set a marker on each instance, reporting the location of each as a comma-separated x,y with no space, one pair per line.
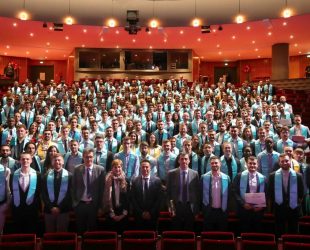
236,41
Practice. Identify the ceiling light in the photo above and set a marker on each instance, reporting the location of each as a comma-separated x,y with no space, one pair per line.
23,15
14,24
233,37
248,27
153,23
239,18
133,40
269,33
101,39
69,20
287,12
196,22
226,64
27,52
111,23
284,23
31,34
85,30
165,40
41,62
181,32
198,39
67,38
291,36
8,46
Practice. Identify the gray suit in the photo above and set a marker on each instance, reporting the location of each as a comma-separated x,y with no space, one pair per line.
185,212
86,212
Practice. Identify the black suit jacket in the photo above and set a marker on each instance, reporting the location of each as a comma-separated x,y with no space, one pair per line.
152,201
271,190
65,205
23,209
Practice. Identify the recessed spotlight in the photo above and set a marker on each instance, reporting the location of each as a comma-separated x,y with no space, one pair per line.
46,51
181,32
85,30
31,34
217,45
299,52
117,32
269,33
214,30
8,46
67,38
101,39
45,57
133,40
284,23
165,40
149,32
14,24
239,55
83,45
295,44
220,53
5,53
48,43
248,27
253,42
117,46
233,37
202,57
256,49
151,47
199,39
291,36
183,47
258,56
27,52
50,28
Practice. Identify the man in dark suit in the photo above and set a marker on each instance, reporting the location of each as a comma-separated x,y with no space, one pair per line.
286,191
26,186
56,195
184,193
146,197
87,186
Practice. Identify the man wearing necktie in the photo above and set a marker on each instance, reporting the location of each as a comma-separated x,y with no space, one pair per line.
88,185
184,192
56,195
250,181
146,193
286,191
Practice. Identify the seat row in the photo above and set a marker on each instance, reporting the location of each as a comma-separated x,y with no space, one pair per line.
148,240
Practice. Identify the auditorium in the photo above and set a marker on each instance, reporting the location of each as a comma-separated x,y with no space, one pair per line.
154,124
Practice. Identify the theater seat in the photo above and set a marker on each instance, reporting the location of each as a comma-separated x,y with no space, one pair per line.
296,246
100,240
297,238
258,237
178,244
59,241
139,244
59,245
213,244
178,235
17,245
138,234
18,238
217,235
258,245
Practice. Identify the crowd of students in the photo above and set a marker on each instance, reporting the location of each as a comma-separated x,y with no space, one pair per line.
117,148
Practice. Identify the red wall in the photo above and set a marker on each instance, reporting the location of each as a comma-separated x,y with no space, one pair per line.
60,66
259,68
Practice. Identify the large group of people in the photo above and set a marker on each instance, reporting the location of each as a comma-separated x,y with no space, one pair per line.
120,148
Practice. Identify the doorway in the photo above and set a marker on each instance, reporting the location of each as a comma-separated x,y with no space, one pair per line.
230,73
43,72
